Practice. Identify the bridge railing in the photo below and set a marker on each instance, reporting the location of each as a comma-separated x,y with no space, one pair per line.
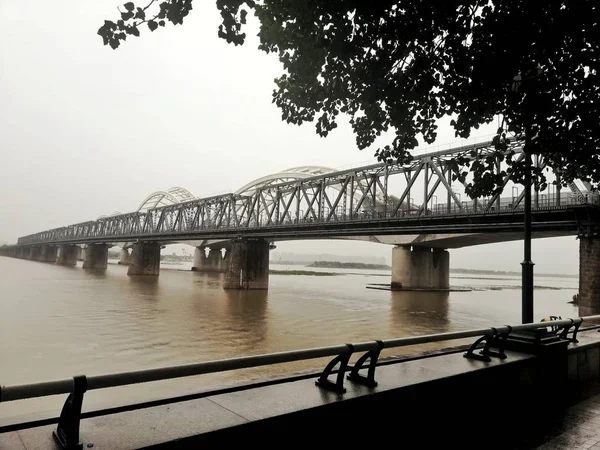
544,203
490,343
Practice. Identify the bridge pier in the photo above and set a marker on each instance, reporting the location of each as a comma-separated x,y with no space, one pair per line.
67,255
145,259
248,265
96,256
35,253
125,258
589,275
214,262
420,268
49,253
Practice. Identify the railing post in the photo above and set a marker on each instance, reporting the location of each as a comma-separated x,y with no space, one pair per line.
408,176
426,188
558,186
536,198
449,207
337,386
352,197
372,356
298,203
498,164
67,432
385,194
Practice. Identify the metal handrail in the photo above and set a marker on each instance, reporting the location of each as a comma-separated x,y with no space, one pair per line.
65,386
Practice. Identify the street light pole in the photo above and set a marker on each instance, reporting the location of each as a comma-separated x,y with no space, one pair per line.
527,264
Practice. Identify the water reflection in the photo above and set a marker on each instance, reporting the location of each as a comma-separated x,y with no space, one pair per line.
247,317
416,313
208,280
145,286
92,273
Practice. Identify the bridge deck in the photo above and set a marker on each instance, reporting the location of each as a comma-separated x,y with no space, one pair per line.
574,219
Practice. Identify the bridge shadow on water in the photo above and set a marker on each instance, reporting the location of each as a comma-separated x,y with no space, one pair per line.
89,273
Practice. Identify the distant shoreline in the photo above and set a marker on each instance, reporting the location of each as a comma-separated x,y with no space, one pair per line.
348,265
511,273
364,266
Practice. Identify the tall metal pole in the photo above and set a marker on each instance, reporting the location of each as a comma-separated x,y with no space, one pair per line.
527,264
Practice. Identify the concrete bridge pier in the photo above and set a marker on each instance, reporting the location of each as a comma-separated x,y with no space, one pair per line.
125,258
589,275
145,259
96,256
67,255
214,262
420,268
248,265
35,253
49,253
22,252
43,252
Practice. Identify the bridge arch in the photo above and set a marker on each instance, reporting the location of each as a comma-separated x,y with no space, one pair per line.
294,173
172,195
115,213
302,172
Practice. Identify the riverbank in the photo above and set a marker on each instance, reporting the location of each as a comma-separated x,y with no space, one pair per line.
304,272
348,265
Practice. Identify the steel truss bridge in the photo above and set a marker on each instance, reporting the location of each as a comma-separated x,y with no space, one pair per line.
317,203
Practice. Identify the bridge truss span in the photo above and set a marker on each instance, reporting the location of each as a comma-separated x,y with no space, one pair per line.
318,202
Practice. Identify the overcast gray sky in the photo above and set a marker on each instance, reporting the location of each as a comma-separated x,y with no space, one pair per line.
87,131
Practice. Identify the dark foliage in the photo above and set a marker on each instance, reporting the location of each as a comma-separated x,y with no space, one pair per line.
401,65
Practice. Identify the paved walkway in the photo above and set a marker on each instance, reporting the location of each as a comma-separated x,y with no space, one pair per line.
576,428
